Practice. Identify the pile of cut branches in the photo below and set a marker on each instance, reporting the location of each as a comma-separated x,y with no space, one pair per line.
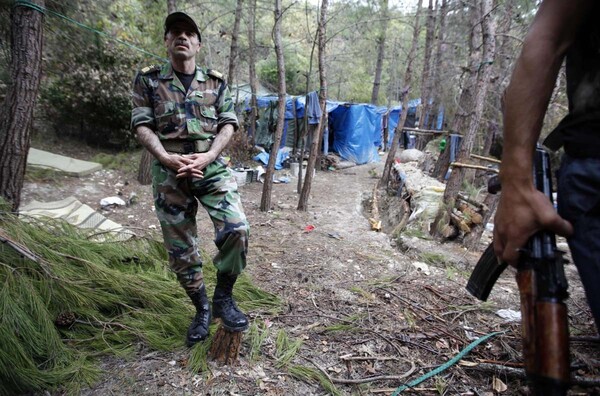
65,299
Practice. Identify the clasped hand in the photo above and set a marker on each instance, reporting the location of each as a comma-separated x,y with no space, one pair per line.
190,165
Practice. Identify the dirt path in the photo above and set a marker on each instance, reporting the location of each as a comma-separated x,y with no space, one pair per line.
367,316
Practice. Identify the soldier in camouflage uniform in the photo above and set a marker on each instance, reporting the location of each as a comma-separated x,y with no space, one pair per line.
184,116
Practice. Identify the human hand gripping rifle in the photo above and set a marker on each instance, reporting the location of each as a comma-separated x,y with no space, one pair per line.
543,289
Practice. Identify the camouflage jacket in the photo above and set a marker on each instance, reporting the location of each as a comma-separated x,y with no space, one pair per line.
160,103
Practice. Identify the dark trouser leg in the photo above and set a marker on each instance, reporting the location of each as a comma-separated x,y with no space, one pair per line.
579,203
218,194
176,210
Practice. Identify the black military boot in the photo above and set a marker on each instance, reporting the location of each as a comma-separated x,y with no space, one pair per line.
198,330
224,307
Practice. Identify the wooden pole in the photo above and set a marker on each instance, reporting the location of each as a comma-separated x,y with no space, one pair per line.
425,131
484,168
494,160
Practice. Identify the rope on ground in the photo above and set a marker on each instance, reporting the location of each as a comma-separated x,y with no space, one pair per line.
446,365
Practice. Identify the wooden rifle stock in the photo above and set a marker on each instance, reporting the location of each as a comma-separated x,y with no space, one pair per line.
543,289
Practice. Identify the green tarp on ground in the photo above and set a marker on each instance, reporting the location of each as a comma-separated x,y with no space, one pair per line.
60,163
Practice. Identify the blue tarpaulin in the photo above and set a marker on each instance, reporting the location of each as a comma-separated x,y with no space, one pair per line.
282,155
356,132
394,118
264,101
357,128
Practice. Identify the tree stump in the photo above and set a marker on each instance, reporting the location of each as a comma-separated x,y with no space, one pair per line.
225,346
145,168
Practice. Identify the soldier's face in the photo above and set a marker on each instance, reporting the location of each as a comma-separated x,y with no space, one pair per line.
182,42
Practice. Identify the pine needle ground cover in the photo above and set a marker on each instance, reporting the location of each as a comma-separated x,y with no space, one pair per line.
65,300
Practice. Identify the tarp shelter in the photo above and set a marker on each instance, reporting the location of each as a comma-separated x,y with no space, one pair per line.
241,93
394,118
294,114
267,121
355,130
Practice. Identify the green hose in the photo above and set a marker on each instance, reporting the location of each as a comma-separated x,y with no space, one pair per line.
446,365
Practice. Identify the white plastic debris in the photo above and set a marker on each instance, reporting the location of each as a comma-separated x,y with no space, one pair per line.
424,268
509,315
260,174
109,201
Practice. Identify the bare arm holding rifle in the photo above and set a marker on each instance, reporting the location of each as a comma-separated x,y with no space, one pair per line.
523,210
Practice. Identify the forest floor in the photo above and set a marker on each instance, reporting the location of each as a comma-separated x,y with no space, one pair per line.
372,311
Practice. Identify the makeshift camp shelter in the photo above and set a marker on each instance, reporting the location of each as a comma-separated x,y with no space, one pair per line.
241,93
354,130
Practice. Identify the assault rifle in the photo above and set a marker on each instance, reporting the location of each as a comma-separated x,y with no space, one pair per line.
543,289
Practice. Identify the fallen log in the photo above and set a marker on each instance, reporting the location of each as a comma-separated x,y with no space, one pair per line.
471,215
460,223
473,202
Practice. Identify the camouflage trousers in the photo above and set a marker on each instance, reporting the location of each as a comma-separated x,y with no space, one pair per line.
176,202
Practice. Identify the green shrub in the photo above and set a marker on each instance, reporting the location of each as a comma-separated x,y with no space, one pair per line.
91,99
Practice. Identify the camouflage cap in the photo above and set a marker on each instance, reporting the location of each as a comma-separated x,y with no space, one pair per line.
181,17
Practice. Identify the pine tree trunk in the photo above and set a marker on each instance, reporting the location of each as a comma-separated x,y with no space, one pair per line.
171,6
490,131
380,51
252,68
145,168
16,114
393,76
318,134
441,165
438,65
425,117
501,70
466,100
265,202
233,52
482,83
385,177
426,80
144,176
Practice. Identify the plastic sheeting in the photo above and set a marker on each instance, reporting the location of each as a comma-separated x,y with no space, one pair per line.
265,101
455,141
282,155
394,118
357,132
357,128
